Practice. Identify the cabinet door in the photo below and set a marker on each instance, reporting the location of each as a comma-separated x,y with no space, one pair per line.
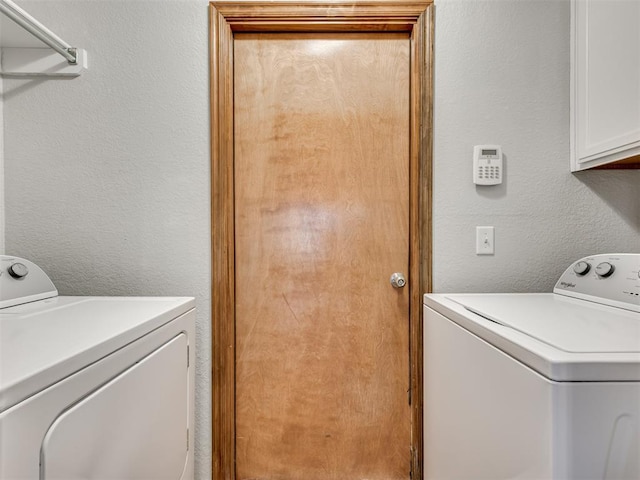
605,82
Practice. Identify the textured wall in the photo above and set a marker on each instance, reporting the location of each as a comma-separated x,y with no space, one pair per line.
1,171
107,174
502,76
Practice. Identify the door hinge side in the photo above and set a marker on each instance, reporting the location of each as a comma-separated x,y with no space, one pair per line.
411,465
416,468
414,471
187,356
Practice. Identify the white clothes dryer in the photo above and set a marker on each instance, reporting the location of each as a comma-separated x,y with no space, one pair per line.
95,388
536,386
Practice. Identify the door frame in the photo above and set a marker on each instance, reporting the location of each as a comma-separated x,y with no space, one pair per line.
227,17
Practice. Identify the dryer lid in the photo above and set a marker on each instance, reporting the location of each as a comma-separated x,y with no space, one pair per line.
43,342
567,324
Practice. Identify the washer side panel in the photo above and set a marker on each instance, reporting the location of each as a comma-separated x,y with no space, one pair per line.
481,405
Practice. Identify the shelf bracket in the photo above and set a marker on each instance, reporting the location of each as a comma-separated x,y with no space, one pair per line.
39,61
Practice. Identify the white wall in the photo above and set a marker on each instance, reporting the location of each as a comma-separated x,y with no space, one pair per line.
107,174
1,170
502,76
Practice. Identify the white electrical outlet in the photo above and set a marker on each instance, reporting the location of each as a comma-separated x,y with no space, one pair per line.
485,241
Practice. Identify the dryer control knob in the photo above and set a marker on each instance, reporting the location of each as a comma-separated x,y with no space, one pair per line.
18,270
581,268
604,269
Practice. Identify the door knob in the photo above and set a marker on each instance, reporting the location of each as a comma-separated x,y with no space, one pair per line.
397,280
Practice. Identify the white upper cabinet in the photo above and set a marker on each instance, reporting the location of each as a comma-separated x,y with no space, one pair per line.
605,83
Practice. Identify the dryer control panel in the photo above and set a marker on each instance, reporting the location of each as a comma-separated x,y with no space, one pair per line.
611,279
22,281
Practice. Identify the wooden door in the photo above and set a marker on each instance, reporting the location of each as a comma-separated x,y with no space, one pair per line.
320,204
321,142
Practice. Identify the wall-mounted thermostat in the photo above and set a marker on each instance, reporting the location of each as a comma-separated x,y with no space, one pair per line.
487,164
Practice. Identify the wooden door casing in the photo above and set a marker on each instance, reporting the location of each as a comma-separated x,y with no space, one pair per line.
229,19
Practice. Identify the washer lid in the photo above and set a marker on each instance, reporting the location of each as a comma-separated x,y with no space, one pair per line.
563,339
45,341
574,326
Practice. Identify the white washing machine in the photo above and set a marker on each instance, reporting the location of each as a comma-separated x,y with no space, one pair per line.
97,388
536,386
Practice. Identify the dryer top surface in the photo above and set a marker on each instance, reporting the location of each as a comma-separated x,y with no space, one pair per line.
44,341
